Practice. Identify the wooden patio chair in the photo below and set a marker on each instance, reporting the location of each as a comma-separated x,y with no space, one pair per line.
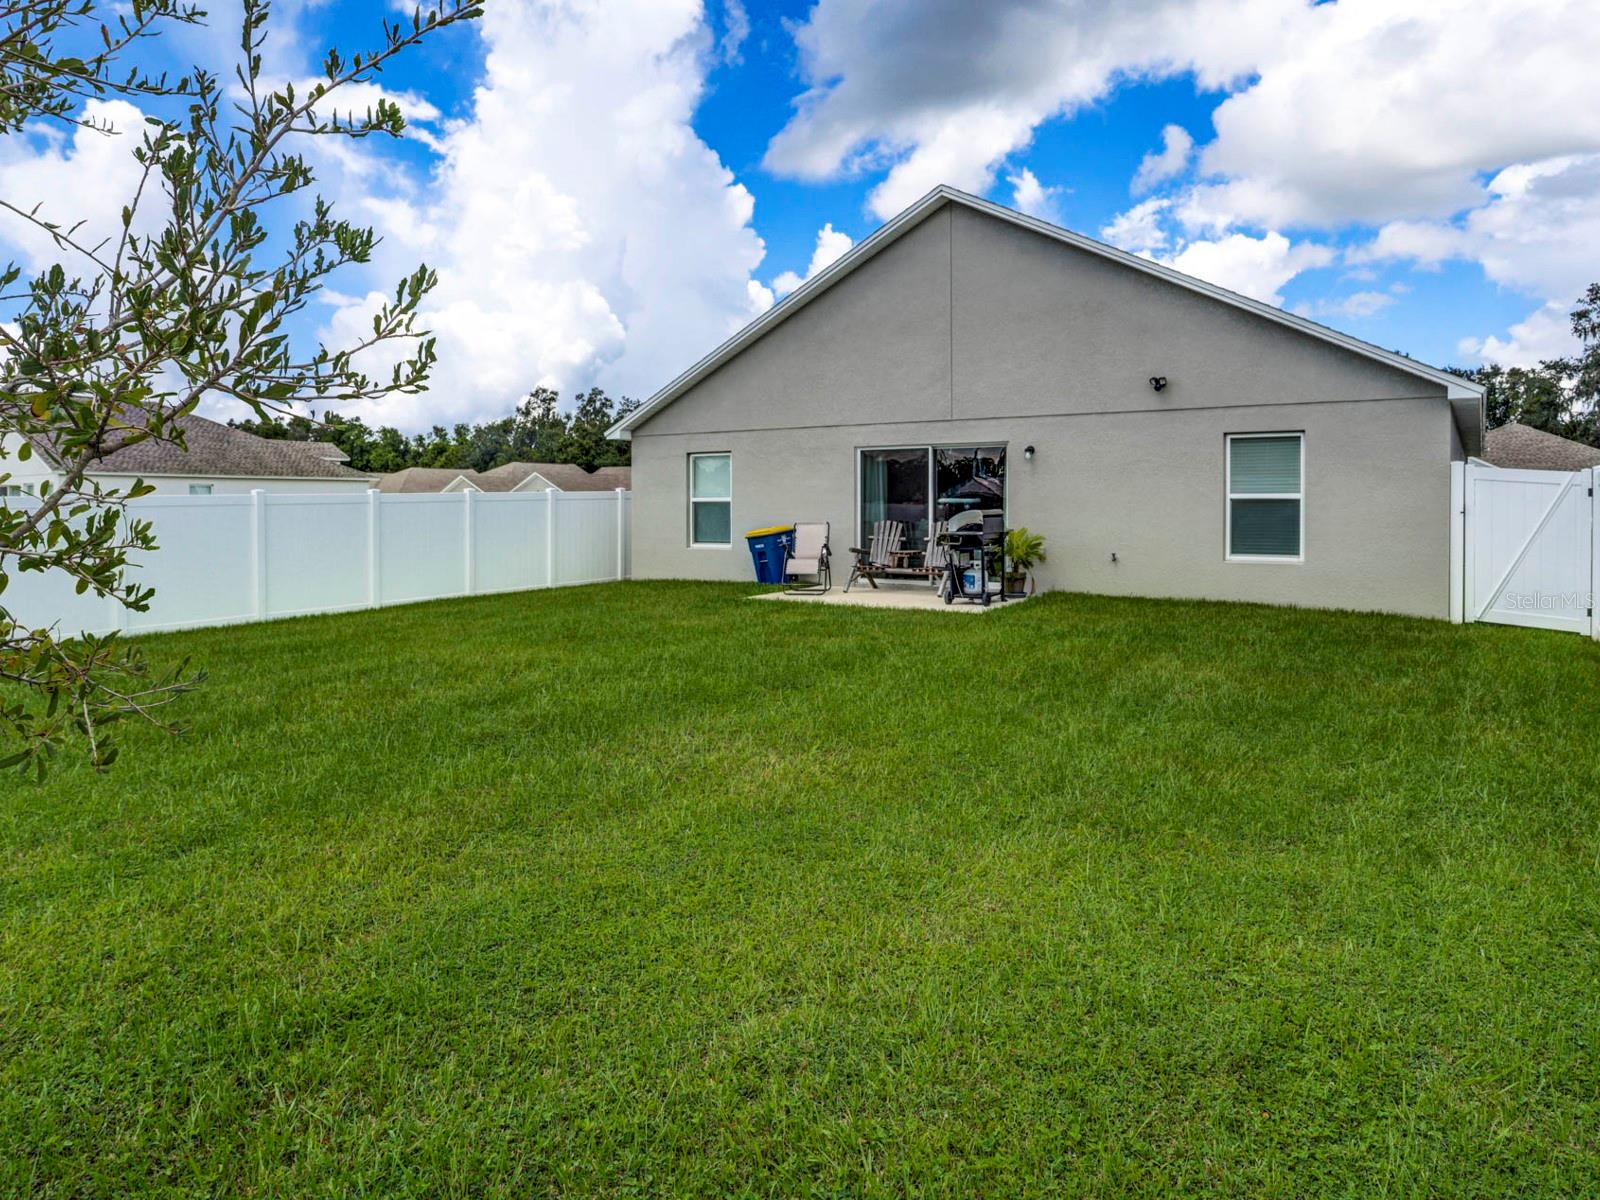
937,554
876,558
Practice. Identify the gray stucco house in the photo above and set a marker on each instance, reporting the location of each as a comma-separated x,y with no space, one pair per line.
1168,437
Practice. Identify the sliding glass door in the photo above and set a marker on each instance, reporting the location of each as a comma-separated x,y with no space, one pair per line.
921,485
894,487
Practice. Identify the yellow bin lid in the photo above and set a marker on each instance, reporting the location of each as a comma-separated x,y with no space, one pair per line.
769,529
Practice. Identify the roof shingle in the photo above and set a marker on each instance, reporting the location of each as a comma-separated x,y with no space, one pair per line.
508,477
569,477
211,448
1523,447
423,479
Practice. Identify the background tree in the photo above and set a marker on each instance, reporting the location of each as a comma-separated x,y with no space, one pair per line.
1537,396
539,430
586,434
124,337
1560,395
1584,370
536,432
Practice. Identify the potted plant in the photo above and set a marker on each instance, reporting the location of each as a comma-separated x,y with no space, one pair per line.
1023,548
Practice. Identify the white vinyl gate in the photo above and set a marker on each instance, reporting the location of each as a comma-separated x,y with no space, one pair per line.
1530,552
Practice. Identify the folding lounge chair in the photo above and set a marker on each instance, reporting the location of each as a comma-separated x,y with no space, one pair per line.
876,559
810,557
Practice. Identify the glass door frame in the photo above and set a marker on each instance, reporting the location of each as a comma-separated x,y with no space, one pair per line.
932,449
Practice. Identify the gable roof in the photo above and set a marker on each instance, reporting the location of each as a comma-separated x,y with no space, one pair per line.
508,477
425,479
1526,448
212,448
1465,396
567,477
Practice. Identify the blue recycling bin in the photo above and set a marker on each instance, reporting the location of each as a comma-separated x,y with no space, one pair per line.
769,550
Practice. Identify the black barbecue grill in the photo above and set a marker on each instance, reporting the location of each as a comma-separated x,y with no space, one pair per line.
979,550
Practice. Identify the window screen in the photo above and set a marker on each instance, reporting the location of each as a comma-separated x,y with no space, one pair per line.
1265,497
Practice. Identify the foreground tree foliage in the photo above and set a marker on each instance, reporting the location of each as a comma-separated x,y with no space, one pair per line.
537,432
1560,395
56,53
191,298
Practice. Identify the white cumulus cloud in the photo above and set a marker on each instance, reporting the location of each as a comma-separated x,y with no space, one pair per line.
1544,334
1536,232
735,29
75,176
832,245
1356,306
1379,110
1141,229
1254,265
1160,165
1257,267
1388,113
581,234
1032,197
943,91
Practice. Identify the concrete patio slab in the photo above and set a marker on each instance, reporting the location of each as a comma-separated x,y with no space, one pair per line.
907,597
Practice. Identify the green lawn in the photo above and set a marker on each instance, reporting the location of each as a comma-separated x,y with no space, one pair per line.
648,890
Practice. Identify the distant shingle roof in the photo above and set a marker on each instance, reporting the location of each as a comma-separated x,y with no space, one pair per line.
508,477
1524,447
211,448
424,479
567,476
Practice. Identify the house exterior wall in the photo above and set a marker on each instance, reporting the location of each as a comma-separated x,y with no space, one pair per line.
178,485
971,331
30,473
876,347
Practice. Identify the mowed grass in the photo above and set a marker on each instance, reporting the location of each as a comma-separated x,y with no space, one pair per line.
647,889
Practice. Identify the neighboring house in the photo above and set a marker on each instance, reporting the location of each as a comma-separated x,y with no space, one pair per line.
217,460
1168,437
427,479
1526,448
510,477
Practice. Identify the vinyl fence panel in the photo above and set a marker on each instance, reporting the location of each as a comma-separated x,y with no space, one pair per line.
202,569
316,548
1530,539
38,599
586,536
508,543
422,547
228,558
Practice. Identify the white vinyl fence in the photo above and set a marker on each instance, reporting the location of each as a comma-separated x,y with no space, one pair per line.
224,559
1529,552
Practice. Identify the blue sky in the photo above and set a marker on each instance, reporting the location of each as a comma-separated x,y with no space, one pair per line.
610,187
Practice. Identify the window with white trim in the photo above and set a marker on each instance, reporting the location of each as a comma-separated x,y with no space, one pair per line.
199,489
16,489
710,499
1266,497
